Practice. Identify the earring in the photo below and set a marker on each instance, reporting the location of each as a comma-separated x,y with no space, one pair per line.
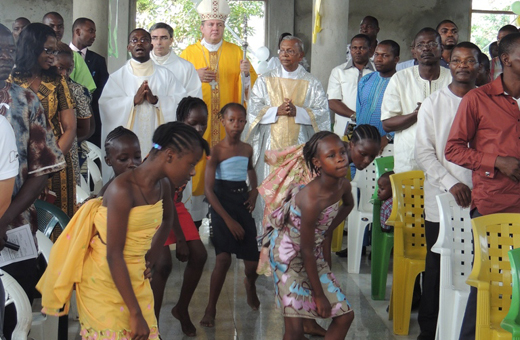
318,172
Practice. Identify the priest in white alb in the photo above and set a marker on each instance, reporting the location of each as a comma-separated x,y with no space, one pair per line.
162,54
287,106
139,96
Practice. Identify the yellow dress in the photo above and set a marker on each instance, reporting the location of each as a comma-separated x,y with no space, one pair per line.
79,258
228,90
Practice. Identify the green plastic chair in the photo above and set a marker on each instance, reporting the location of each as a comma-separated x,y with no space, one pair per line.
50,217
382,243
511,322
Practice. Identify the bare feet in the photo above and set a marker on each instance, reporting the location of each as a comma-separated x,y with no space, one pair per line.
187,326
252,298
311,327
208,320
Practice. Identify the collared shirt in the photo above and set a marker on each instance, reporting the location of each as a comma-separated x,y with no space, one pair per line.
370,93
343,84
489,120
434,121
405,89
82,52
413,62
38,152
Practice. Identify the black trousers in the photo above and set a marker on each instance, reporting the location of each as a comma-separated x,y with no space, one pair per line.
469,322
429,307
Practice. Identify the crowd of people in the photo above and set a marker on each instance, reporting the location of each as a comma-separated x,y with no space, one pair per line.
179,132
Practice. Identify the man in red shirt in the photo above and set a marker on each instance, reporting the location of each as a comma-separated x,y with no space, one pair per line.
485,138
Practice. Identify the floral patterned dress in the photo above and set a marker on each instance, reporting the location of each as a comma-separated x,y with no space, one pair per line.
293,290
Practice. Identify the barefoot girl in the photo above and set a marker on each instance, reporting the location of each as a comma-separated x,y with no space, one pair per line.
107,240
194,112
232,203
305,287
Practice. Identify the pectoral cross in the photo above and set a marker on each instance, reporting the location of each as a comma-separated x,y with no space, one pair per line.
213,84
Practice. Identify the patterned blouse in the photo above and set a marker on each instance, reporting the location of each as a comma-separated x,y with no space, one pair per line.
38,152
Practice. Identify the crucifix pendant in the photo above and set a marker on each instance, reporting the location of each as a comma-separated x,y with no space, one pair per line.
213,84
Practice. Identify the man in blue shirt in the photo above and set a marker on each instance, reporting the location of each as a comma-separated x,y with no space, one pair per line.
371,88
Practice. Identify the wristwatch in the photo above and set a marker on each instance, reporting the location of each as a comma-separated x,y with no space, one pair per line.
390,138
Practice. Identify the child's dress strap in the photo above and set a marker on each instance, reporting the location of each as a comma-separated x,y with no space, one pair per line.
66,260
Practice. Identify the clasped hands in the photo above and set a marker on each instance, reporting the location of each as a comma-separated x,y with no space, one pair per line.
287,108
145,93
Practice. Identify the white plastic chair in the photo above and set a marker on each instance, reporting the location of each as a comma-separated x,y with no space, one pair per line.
44,327
14,293
361,216
455,245
94,172
81,194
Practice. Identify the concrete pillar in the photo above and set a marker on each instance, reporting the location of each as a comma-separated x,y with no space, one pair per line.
97,11
303,25
126,13
279,19
331,43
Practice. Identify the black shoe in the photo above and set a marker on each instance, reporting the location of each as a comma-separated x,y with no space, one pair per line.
342,253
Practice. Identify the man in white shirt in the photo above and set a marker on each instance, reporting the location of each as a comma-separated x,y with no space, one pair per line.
162,54
343,82
434,122
139,96
405,93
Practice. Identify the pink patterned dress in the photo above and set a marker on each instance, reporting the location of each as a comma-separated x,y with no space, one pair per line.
293,290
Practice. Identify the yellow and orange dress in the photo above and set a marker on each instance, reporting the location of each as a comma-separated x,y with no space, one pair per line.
79,258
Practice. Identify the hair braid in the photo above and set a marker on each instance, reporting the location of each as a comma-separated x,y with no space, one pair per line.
311,148
365,131
179,137
117,133
187,104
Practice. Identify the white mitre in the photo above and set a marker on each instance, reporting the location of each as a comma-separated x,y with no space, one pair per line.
213,10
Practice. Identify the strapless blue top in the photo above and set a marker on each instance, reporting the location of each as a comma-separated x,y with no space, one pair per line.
232,169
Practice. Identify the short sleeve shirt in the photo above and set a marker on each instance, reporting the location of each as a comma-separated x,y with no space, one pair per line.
38,152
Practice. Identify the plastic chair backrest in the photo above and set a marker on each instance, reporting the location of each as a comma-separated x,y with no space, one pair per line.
497,234
81,195
14,293
407,214
50,217
513,316
383,164
94,174
44,245
455,237
95,152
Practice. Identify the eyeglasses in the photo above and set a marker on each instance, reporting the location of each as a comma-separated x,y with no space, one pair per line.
468,62
431,45
288,52
49,51
142,40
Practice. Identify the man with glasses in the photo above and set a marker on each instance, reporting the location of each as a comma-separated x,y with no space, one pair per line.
405,93
162,54
434,121
140,96
343,83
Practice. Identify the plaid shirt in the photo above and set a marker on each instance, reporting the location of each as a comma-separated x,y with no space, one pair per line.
386,209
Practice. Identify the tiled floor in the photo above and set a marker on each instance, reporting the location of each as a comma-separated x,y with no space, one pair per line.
235,320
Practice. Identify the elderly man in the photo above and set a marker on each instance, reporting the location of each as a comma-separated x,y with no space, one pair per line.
38,157
83,36
18,26
433,126
140,96
405,93
343,82
162,54
81,73
223,73
287,106
484,138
